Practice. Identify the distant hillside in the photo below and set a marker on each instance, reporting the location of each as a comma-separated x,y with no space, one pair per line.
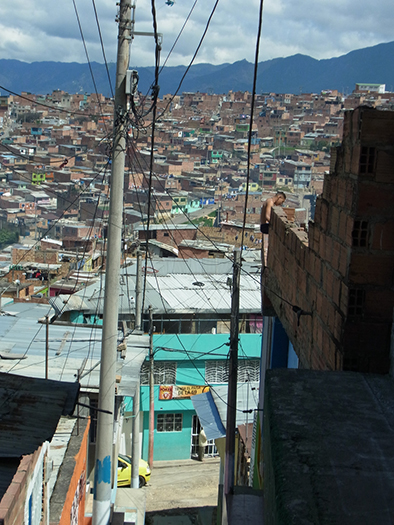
294,74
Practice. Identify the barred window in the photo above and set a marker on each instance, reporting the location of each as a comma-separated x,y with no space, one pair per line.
356,302
360,233
367,160
217,371
169,422
248,371
164,373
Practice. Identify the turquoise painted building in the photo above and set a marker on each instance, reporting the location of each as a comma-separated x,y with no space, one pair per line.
187,360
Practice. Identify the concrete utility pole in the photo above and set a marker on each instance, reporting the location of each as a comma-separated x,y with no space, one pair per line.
104,466
232,379
138,293
135,453
151,391
135,456
46,345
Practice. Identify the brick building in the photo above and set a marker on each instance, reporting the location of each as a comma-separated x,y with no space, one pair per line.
332,288
170,234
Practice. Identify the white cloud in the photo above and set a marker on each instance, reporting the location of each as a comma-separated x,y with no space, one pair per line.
48,30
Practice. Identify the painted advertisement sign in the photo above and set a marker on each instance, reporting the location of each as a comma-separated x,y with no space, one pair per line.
180,391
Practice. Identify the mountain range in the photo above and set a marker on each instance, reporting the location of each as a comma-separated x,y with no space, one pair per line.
293,74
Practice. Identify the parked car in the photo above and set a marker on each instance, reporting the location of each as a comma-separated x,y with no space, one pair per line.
124,471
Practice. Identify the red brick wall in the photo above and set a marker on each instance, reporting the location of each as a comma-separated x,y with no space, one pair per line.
348,288
176,236
192,253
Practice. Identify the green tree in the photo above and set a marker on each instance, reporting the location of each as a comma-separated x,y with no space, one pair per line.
8,236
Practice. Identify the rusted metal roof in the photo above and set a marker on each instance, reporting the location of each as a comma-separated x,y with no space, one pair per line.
30,409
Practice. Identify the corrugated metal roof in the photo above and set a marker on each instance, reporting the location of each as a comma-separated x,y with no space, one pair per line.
210,293
71,348
64,303
170,287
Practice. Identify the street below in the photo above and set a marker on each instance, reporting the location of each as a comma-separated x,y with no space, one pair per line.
183,492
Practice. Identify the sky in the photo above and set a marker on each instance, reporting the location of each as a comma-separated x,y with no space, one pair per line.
47,30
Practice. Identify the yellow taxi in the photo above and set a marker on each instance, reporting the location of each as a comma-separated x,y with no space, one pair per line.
124,471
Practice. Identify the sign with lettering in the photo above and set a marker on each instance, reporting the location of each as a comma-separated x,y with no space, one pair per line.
180,391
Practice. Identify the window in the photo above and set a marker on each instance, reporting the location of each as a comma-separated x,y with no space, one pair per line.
367,160
360,234
217,371
164,373
169,423
248,370
356,302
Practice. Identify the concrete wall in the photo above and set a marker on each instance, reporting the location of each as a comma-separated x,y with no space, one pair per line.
73,480
327,448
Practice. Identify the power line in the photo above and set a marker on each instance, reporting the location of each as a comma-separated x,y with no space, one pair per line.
49,229
88,59
210,240
207,298
256,62
193,58
179,35
102,48
157,64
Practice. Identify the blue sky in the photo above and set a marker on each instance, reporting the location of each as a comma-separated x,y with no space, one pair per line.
39,30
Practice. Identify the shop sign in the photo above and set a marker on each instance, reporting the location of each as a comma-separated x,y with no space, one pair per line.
180,391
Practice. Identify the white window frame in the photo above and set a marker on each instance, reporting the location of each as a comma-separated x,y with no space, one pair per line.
169,422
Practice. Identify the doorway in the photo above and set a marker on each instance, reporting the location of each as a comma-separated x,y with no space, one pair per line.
210,449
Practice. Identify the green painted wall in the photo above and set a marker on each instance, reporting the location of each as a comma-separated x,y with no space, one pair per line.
169,445
190,351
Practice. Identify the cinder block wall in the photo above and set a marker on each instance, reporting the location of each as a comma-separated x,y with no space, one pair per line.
341,271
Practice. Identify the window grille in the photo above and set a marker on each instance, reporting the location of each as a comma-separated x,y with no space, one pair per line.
367,160
360,234
248,371
217,371
356,302
169,423
164,373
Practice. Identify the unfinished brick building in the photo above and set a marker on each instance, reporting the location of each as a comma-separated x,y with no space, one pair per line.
332,288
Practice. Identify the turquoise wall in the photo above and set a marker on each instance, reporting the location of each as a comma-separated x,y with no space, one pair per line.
169,445
190,351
